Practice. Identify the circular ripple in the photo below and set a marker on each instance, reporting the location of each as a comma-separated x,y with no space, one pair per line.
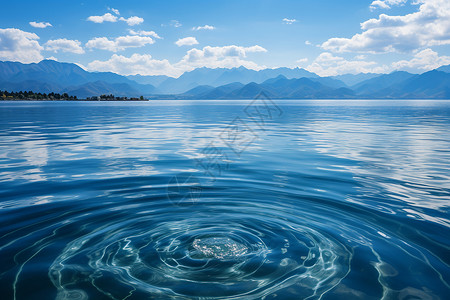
196,258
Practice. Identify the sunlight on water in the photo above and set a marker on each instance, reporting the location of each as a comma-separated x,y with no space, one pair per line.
220,248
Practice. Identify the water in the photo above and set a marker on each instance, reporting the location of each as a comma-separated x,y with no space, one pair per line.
209,200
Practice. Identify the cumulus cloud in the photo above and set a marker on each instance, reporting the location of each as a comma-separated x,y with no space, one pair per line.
187,41
289,21
144,33
116,11
386,4
132,21
326,64
135,64
211,57
424,60
219,57
64,45
308,43
119,44
40,24
18,45
429,26
302,60
205,27
108,17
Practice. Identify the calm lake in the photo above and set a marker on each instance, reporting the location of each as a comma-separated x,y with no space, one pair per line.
225,200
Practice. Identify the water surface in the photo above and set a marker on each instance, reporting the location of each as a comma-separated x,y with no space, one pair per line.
225,200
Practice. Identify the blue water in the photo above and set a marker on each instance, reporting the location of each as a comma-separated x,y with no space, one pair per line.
225,200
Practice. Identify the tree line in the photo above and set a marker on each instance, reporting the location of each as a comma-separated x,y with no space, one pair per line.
5,95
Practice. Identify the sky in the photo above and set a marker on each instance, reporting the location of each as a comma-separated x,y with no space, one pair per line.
170,37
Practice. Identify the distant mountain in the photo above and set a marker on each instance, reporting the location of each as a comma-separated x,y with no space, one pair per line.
101,87
222,91
53,71
237,83
277,88
374,86
201,89
445,69
218,77
31,85
330,82
353,79
152,80
52,76
429,85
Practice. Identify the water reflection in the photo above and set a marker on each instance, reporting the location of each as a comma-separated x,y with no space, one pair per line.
323,204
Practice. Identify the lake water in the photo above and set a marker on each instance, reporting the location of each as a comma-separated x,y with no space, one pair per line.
225,200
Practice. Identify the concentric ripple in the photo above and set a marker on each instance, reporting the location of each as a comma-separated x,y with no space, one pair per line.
249,257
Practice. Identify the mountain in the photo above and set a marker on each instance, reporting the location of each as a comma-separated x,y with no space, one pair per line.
374,86
53,71
31,85
330,82
52,76
222,91
154,80
445,69
201,89
277,88
237,83
430,85
353,79
101,87
222,76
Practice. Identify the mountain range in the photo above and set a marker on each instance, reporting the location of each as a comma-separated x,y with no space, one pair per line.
221,83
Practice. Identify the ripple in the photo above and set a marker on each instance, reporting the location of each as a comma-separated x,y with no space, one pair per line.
195,258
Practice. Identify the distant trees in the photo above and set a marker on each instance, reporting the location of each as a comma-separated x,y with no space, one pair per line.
5,95
30,95
111,97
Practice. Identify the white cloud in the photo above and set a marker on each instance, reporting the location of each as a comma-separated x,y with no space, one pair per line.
386,4
302,60
429,26
18,45
108,17
328,65
116,11
135,64
205,27
175,23
51,58
132,21
144,33
289,21
211,57
187,41
308,43
120,43
64,45
40,24
219,57
424,60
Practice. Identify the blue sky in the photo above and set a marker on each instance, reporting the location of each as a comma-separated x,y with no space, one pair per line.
169,37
